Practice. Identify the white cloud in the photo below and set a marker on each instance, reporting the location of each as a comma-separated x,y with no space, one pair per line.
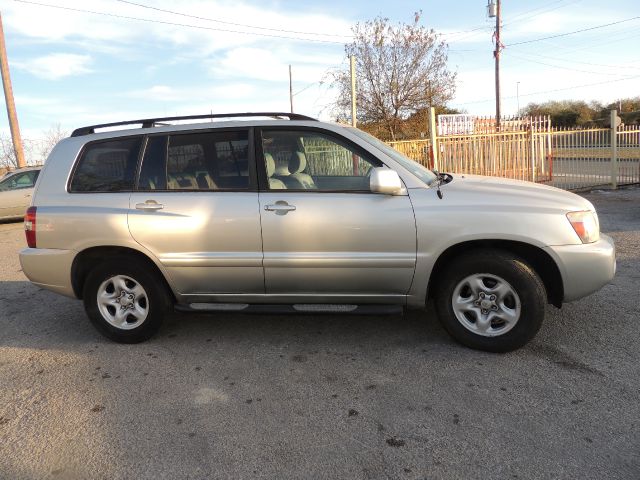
272,65
166,29
56,65
163,94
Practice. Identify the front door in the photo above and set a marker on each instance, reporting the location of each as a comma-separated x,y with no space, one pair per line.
326,237
16,192
196,210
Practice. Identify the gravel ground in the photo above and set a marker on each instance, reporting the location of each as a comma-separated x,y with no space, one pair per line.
233,396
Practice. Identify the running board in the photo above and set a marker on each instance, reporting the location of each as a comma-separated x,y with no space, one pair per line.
298,308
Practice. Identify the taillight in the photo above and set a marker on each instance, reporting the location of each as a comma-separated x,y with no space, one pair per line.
30,226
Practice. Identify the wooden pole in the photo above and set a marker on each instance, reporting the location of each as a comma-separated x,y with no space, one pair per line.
614,149
496,54
433,136
11,106
352,61
290,89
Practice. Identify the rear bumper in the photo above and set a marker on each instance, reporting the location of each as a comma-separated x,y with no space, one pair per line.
585,268
49,268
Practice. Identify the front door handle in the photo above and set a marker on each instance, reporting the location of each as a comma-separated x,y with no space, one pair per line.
280,207
149,205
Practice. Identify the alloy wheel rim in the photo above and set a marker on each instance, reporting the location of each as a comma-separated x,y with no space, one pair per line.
122,302
486,304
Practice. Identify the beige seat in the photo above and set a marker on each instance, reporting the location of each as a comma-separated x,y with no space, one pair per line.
182,181
205,182
297,179
274,183
189,181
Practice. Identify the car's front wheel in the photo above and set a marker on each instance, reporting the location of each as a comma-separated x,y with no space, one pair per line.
125,301
490,300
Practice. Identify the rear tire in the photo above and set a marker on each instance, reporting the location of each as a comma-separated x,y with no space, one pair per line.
125,301
490,300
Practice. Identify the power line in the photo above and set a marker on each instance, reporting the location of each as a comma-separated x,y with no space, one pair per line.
572,33
466,31
556,89
319,82
595,44
517,18
514,19
562,67
163,22
526,12
623,66
472,33
230,23
588,45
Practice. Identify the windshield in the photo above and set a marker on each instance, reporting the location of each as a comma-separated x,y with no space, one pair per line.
423,173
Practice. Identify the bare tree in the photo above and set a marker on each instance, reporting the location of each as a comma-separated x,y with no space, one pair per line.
8,158
35,151
49,140
400,69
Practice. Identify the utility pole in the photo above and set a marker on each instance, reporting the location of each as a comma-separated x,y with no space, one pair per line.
11,106
615,122
518,97
352,61
494,11
290,89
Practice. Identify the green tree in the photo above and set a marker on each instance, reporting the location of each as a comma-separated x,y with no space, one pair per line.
565,113
628,109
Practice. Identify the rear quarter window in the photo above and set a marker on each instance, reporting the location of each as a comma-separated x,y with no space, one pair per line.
107,166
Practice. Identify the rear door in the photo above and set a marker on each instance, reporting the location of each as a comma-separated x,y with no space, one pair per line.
196,209
326,236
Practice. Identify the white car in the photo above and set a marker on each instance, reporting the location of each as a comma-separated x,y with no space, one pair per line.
16,189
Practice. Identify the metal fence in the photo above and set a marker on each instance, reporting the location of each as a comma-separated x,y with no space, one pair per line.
585,158
572,159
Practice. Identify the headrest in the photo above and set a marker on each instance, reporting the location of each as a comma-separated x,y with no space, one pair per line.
271,165
282,167
297,163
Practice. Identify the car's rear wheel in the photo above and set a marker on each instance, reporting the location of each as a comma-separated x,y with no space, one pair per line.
490,300
125,301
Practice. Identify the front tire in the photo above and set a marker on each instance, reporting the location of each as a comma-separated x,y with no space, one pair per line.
125,301
490,300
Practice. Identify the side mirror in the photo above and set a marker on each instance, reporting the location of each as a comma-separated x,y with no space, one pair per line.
384,180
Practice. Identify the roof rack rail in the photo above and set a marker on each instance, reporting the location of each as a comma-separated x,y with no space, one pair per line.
150,122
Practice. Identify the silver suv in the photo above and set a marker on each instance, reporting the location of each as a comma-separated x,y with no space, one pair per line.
280,212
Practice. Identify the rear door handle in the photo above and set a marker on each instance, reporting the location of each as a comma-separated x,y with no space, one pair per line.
281,208
149,205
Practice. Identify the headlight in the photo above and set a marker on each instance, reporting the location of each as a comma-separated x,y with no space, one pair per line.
586,225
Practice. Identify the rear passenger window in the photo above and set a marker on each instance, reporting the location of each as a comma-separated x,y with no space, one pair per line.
197,161
108,166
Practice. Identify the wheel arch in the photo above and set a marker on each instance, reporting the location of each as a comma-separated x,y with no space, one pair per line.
540,261
89,258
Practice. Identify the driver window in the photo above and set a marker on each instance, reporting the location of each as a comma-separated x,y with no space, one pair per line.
308,160
21,180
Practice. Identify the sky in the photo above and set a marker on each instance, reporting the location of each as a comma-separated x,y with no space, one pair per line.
95,61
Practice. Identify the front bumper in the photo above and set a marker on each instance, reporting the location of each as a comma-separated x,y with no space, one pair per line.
585,268
49,268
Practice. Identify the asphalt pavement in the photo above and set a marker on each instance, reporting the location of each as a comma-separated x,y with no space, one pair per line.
345,397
